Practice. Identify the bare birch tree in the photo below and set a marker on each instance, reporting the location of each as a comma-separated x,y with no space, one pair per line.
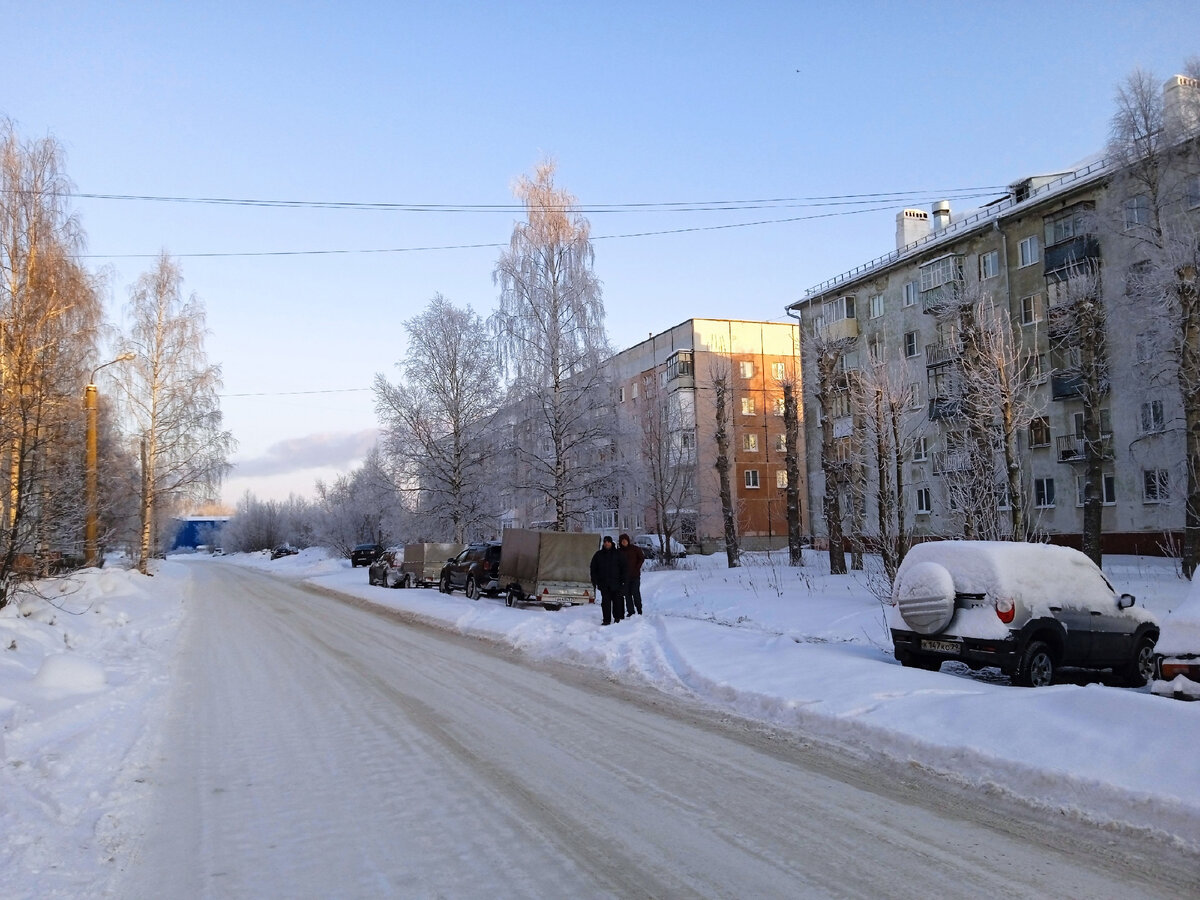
171,393
792,390
1154,143
49,314
435,420
833,398
550,332
720,380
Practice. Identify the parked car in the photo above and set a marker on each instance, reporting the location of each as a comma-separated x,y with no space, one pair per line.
1026,609
476,570
387,569
365,554
283,550
652,546
1177,656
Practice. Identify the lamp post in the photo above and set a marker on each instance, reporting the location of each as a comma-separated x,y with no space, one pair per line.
91,550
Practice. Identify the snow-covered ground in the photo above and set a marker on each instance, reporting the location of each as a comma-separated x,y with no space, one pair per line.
82,676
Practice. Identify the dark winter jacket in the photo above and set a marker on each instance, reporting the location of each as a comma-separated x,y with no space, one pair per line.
634,557
608,569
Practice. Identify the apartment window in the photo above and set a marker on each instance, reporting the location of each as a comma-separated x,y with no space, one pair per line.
752,478
746,368
875,349
781,478
914,396
911,290
747,406
989,264
779,371
1043,493
679,364
1030,251
750,442
876,306
920,449
924,501
1035,367
1146,347
1156,485
1105,422
635,390
911,347
778,404
836,310
622,395
1152,417
850,361
1108,489
942,271
1031,309
1039,432
781,443
1137,211
1001,495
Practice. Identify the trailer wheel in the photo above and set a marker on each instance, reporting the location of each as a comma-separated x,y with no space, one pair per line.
512,597
552,607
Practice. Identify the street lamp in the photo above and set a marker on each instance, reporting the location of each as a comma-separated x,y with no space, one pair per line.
91,550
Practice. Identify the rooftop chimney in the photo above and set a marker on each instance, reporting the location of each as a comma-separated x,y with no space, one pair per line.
941,215
911,225
1181,104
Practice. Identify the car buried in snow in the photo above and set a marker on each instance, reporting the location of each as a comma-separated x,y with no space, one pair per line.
1177,654
1026,609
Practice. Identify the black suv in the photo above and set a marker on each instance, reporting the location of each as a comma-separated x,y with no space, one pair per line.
365,554
476,570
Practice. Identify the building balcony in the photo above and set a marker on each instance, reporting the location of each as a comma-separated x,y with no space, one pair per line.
947,462
1072,448
1066,385
941,353
937,300
1060,320
839,329
1085,248
945,407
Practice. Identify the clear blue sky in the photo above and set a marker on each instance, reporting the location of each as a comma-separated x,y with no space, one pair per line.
447,103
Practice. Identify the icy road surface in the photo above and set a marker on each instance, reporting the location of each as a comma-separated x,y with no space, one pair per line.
319,748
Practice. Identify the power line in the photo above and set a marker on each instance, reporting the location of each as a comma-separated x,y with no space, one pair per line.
298,393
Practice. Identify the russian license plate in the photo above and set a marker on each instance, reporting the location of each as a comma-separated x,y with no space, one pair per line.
951,647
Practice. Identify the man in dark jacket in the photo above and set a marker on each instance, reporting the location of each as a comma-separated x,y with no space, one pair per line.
608,577
634,557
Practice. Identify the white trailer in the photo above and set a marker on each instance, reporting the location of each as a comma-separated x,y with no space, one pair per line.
552,568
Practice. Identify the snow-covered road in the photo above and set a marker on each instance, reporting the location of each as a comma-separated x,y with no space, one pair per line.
316,748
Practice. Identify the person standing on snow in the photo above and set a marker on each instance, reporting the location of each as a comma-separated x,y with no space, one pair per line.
634,557
608,577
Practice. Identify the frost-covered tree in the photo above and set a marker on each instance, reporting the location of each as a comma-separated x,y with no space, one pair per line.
436,420
49,315
171,395
834,400
720,381
1155,146
792,389
550,334
360,507
667,445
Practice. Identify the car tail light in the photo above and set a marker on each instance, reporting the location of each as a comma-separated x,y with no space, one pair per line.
1171,670
1006,610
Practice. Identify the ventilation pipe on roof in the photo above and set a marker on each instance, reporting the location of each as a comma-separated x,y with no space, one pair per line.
941,215
911,225
1181,104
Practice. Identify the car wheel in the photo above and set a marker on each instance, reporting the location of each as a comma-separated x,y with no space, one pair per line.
929,663
1140,669
1036,668
444,586
512,597
472,589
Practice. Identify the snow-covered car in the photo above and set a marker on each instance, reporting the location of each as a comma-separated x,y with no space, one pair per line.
387,569
283,550
1026,609
652,546
1177,653
365,554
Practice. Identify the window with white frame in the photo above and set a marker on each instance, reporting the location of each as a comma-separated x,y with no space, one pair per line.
1137,211
752,478
781,478
836,310
920,449
781,443
635,390
911,347
746,369
1031,309
750,442
622,394
1035,367
914,396
1001,495
912,290
1156,485
947,270
924,501
1029,251
1152,417
1077,419
1067,225
747,406
989,264
875,349
1108,489
1043,493
778,403
876,305
779,371
1039,432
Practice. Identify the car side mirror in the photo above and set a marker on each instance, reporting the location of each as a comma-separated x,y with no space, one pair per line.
1126,601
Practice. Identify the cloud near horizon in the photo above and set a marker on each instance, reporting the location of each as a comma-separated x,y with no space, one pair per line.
312,451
